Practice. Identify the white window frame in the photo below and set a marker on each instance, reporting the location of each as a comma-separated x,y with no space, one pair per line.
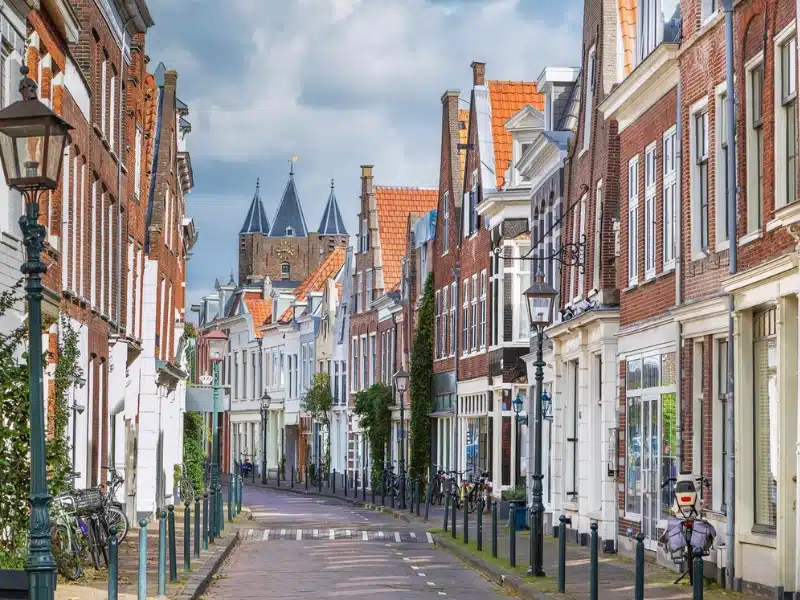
591,70
696,110
473,334
482,310
669,198
583,207
755,196
709,10
373,341
112,111
598,231
650,178
446,223
453,331
94,253
137,167
782,120
444,321
720,166
437,343
633,221
649,28
364,361
465,317
359,292
369,291
354,363
103,90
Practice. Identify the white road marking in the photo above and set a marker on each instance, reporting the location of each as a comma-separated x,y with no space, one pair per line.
283,533
250,534
443,593
333,534
380,534
316,534
265,537
364,536
421,574
347,533
396,536
406,558
430,583
413,535
299,534
430,537
415,568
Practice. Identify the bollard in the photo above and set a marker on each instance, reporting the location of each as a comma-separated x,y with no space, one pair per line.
173,566
279,475
319,481
494,528
453,510
205,521
638,587
593,578
355,484
446,510
220,505
231,486
333,483
142,560
239,498
364,487
697,578
428,494
113,564
346,478
466,521
512,534
391,491
562,554
416,494
305,478
187,537
479,530
162,554
212,514
197,527
411,504
292,484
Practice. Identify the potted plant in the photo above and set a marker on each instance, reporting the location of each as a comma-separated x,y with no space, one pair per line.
507,496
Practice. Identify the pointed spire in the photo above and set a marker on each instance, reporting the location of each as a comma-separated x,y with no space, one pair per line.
232,281
256,219
289,220
332,222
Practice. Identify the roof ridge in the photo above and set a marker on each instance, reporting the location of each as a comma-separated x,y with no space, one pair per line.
405,187
511,82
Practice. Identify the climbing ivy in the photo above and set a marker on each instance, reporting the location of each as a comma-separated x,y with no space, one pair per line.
373,407
195,431
419,384
318,402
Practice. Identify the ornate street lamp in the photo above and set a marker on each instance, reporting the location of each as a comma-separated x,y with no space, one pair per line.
517,405
217,344
401,384
265,401
540,300
32,139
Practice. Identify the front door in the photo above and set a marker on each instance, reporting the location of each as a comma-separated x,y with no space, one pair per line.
651,410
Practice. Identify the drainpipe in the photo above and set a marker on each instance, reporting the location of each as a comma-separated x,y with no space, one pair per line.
457,279
679,273
730,498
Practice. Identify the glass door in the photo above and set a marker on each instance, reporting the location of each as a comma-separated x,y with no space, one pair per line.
651,443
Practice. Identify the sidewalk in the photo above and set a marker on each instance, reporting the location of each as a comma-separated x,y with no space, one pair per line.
190,585
616,573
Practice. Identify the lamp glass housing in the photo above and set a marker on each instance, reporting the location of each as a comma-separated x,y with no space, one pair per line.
216,347
401,381
517,403
540,300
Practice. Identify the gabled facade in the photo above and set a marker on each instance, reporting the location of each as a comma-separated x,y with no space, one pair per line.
340,352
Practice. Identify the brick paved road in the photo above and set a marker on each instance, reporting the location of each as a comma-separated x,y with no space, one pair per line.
273,561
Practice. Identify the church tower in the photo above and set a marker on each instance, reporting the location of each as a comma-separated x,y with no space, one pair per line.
331,232
251,239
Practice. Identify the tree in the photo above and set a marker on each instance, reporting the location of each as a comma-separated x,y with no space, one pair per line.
420,382
195,432
318,401
373,407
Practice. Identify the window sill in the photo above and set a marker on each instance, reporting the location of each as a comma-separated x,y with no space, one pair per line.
632,285
750,237
786,215
632,517
760,536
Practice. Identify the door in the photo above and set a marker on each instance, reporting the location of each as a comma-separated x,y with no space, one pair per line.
651,442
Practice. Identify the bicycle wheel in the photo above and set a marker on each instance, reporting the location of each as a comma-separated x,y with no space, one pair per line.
115,517
472,501
101,540
67,553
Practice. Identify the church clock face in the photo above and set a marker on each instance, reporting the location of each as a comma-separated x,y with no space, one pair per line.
284,251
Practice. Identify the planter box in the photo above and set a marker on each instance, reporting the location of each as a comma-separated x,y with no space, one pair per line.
502,511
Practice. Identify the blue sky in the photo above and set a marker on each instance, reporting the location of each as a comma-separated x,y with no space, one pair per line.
338,83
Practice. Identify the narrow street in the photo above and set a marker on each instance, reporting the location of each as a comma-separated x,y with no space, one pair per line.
303,548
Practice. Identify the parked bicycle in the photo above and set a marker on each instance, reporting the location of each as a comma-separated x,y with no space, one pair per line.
475,493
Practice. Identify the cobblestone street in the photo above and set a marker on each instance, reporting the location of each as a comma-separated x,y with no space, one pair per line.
305,547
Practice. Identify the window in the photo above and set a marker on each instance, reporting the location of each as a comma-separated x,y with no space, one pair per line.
437,325
363,238
244,375
93,257
523,148
700,172
289,232
755,148
482,310
453,333
373,353
765,395
286,271
446,223
650,211
473,336
359,291
137,166
633,221
444,321
722,167
786,123
364,363
721,429
650,23
369,290
598,233
470,207
103,90
709,8
112,110
670,197
523,277
465,319
582,240
587,111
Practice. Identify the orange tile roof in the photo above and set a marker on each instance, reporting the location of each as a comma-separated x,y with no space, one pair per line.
508,98
627,21
260,309
316,279
395,204
463,137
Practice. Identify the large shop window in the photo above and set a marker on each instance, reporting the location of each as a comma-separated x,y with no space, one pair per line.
651,424
765,396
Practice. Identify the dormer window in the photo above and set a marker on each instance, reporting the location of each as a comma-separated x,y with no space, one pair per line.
289,232
520,148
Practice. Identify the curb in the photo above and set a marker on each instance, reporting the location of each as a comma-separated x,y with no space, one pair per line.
508,581
198,582
368,505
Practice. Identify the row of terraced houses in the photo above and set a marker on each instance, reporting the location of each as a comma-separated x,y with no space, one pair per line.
624,160
118,235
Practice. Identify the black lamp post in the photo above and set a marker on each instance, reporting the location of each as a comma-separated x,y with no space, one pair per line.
217,342
540,300
516,404
32,139
401,384
265,400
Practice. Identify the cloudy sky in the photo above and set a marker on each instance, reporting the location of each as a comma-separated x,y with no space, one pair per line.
338,83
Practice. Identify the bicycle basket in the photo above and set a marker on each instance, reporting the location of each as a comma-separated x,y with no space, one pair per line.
87,501
703,534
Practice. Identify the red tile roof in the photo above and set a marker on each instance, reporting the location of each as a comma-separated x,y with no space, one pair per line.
316,279
508,98
395,204
260,309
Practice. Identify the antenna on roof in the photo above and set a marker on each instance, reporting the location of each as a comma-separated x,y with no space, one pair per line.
291,165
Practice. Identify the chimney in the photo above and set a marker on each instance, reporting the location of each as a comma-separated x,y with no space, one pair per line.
366,179
478,73
450,110
170,79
